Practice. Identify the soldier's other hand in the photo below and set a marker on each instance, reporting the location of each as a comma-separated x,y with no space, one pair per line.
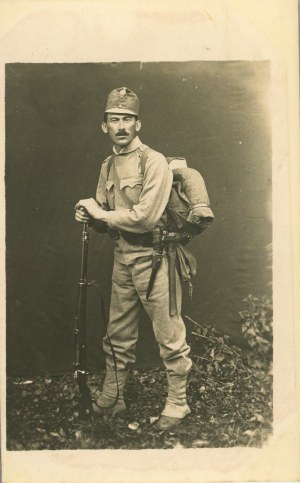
81,216
93,209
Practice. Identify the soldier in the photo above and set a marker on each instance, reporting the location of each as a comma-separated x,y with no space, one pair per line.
132,203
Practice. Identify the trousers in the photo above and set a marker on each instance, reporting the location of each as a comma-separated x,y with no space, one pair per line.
130,280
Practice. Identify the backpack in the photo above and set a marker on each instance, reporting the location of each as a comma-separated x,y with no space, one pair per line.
188,208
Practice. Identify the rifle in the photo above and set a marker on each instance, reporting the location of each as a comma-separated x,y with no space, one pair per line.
80,364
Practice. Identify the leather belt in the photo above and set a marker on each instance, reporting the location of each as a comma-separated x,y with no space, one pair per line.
143,239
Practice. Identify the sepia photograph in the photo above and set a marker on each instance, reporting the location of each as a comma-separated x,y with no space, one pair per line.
139,255
149,249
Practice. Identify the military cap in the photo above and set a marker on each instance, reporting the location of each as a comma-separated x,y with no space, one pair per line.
123,100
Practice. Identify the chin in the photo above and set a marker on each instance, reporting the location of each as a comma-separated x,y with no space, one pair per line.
123,142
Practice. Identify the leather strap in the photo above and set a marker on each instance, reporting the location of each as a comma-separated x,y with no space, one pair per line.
145,150
109,164
172,277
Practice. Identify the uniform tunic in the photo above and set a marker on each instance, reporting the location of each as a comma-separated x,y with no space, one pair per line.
137,204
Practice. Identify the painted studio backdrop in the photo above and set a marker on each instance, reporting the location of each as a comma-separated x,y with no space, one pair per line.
215,114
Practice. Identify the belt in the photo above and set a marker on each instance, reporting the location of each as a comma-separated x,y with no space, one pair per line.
143,239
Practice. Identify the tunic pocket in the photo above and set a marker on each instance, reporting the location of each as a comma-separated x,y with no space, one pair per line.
132,188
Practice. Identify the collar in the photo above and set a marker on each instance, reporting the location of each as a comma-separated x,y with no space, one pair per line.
135,144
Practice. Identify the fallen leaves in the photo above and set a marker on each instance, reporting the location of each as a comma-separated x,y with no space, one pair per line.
200,443
22,382
133,426
236,411
257,417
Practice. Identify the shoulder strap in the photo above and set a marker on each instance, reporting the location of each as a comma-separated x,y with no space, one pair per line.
109,165
181,162
144,156
110,161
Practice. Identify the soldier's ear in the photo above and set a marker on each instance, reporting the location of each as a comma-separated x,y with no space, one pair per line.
138,125
104,127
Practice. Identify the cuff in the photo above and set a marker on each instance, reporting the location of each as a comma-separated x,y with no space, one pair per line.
109,221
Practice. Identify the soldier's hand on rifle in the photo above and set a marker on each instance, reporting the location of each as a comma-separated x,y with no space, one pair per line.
92,210
81,215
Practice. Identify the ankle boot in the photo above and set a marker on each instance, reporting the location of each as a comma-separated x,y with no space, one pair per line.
111,399
176,407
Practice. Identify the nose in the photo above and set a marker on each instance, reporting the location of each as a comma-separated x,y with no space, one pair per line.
121,124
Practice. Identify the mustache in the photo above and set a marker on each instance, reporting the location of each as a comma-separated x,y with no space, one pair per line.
122,132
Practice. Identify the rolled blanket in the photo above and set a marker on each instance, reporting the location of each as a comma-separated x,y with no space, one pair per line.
189,205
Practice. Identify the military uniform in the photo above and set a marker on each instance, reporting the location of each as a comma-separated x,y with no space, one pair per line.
136,203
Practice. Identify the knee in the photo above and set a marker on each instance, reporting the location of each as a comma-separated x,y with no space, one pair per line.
177,361
119,344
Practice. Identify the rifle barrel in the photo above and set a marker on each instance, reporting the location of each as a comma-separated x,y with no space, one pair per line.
80,364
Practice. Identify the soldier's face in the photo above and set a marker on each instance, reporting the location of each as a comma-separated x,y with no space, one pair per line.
122,128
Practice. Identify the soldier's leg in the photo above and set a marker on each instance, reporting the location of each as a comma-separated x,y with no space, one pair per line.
122,331
169,332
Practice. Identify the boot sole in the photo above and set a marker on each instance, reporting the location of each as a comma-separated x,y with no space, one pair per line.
109,411
169,423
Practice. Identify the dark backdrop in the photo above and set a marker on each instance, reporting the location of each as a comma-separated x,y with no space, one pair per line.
213,113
